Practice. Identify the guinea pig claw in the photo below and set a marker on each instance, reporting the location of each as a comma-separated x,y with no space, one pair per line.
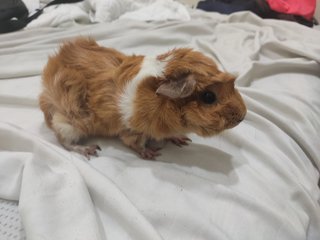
180,141
155,149
149,154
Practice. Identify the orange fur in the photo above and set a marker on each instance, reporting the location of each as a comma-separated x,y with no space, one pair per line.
83,82
169,117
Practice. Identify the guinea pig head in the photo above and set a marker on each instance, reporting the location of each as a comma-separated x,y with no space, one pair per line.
191,95
207,100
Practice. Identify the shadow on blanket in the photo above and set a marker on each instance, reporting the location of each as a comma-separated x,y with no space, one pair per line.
208,163
202,161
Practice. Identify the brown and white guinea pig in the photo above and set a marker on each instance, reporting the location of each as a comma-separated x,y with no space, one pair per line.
90,90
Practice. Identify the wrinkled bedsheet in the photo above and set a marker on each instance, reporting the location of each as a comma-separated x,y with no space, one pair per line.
256,181
98,11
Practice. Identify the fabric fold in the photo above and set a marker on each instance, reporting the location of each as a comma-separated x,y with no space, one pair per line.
56,192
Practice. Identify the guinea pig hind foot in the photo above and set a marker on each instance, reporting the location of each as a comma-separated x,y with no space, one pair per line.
87,151
69,136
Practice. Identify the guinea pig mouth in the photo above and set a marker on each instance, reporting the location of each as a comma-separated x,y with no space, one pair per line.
214,129
234,121
233,124
209,131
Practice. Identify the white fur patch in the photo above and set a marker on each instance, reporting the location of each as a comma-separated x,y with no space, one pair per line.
67,132
150,67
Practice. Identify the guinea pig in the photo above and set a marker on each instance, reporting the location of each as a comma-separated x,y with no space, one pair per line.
90,90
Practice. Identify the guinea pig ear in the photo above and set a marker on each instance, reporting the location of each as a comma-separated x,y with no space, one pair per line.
180,88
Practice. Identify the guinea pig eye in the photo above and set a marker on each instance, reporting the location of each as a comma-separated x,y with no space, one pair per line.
208,97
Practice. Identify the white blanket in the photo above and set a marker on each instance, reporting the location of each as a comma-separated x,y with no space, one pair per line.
107,11
257,181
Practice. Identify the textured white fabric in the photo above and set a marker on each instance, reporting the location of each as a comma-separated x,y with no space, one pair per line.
110,10
256,181
10,224
159,10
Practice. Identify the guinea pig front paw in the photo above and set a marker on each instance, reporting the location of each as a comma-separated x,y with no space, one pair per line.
149,153
180,140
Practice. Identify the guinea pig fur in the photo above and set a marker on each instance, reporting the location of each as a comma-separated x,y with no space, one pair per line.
90,90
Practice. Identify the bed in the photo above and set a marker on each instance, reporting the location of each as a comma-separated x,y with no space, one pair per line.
257,181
